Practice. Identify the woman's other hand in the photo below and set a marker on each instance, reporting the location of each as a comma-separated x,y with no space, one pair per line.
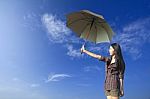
121,92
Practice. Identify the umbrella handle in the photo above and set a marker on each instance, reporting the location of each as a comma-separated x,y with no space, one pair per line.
83,46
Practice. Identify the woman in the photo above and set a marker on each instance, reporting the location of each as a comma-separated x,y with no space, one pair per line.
115,68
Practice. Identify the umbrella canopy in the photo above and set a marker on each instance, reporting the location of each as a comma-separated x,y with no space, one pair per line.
90,26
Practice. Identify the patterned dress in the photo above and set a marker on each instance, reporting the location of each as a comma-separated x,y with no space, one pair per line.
113,74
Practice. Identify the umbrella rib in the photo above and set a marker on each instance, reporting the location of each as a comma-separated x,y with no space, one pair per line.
90,28
99,22
79,20
96,34
84,28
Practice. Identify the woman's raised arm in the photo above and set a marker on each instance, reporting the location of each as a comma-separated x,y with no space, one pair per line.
90,53
99,57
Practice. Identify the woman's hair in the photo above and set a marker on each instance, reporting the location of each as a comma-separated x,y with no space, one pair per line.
119,57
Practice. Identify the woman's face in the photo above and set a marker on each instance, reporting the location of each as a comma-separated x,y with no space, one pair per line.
111,50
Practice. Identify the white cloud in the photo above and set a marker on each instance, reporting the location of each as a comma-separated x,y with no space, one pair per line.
15,79
58,33
96,48
56,29
31,21
102,48
16,88
34,85
133,36
56,77
73,52
91,68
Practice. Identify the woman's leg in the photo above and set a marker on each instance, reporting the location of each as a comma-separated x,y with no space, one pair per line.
112,97
109,97
114,94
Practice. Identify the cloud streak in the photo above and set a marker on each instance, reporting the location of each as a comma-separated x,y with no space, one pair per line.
56,77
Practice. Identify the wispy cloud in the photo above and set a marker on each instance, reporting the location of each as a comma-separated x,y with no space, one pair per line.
73,52
56,77
34,85
17,88
91,68
58,33
100,48
32,21
56,29
15,79
133,36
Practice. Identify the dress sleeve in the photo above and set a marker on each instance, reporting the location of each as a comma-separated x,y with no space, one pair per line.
121,71
105,59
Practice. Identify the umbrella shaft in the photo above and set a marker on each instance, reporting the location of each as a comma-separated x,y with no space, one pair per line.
90,28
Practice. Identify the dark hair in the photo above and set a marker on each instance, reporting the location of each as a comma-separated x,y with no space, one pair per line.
119,57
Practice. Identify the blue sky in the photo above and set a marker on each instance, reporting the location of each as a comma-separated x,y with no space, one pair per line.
40,57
